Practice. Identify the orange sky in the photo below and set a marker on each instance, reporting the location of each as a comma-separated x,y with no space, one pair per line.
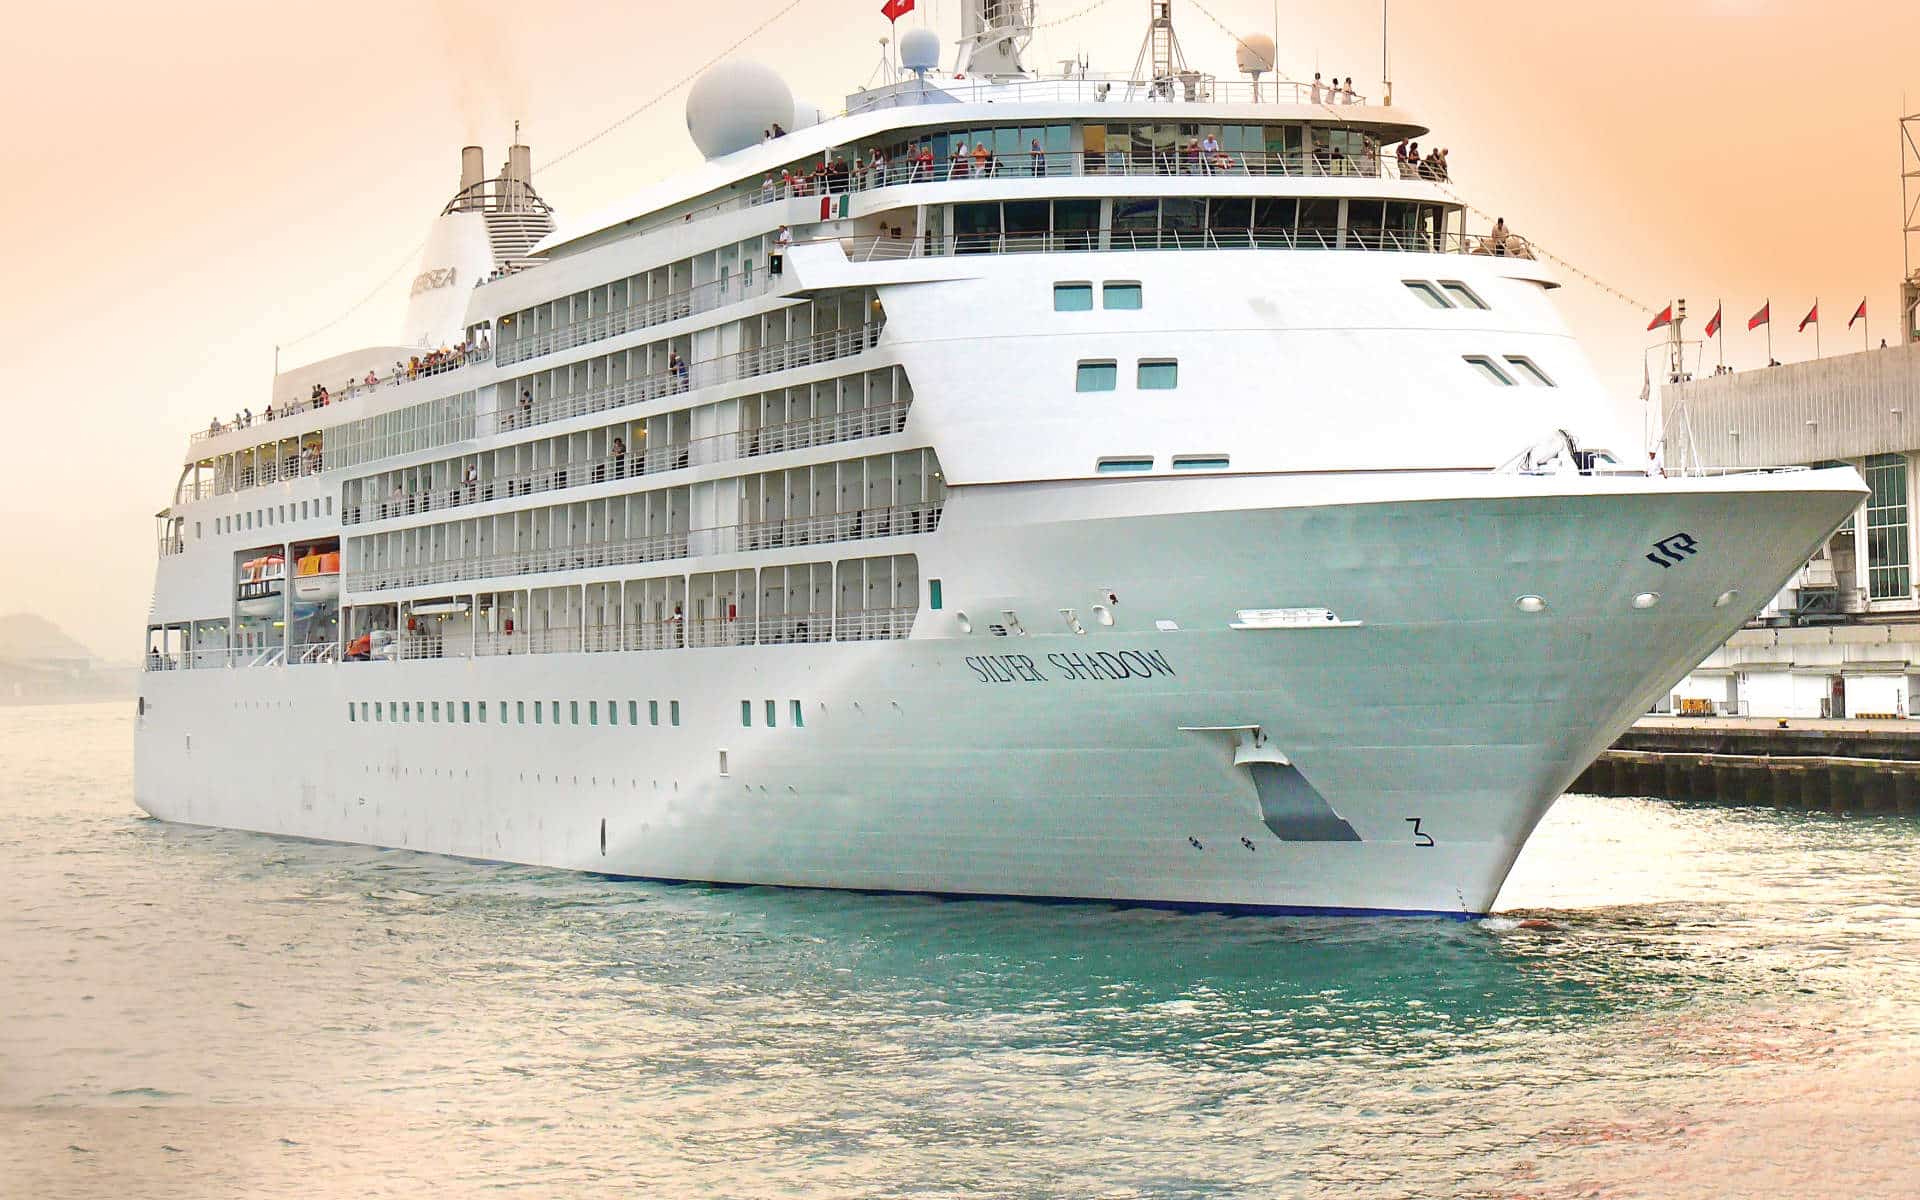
191,184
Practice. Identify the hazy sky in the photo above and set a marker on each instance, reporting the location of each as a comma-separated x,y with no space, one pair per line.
193,183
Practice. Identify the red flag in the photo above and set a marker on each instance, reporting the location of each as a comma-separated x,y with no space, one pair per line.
1812,317
1763,317
1713,325
893,10
1859,314
1665,318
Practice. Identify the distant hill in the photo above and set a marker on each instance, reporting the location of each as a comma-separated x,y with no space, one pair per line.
28,637
41,664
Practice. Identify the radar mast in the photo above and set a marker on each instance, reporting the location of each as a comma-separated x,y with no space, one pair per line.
993,34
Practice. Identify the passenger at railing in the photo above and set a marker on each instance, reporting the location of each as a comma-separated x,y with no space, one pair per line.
957,162
472,480
767,190
269,413
413,367
213,426
1500,237
619,458
776,131
1190,158
1346,91
399,372
923,162
982,160
1037,160
1209,151
782,242
526,407
1315,94
677,367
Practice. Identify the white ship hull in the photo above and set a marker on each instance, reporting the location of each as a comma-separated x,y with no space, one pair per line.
1048,763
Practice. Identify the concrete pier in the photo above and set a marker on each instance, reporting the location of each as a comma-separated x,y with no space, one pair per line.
1838,766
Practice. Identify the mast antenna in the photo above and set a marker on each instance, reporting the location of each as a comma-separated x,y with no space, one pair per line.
1160,54
1386,69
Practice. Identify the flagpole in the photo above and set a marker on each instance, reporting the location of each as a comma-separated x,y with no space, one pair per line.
1720,328
1769,332
1816,327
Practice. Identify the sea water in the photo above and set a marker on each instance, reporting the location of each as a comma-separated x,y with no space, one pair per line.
1673,1001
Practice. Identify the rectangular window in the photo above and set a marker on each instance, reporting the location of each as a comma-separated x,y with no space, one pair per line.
1120,466
1199,462
593,711
1530,370
350,716
553,711
520,711
673,712
633,712
1489,370
746,713
483,712
793,710
1465,296
574,711
1073,297
1097,377
653,712
933,594
772,712
329,505
1158,374
363,710
613,712
1121,295
466,712
1429,294
1888,566
536,712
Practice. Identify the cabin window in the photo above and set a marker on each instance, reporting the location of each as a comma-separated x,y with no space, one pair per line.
794,711
673,712
1429,294
1100,376
1199,462
633,712
613,712
520,712
363,710
466,712
554,712
593,712
746,713
653,712
536,712
1072,297
933,594
350,714
436,711
1120,295
1463,295
1489,370
483,712
1121,466
1530,370
1158,374
573,709
772,712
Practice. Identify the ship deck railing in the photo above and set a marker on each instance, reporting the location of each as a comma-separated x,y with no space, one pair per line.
856,525
756,441
1177,88
877,248
299,405
641,314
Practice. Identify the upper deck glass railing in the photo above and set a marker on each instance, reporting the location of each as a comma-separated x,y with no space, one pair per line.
1183,87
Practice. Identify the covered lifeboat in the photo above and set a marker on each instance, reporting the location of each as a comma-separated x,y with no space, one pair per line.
316,578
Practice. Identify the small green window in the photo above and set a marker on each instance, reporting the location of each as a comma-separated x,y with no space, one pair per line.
363,710
574,708
520,711
746,713
798,719
1200,462
1429,295
1531,370
555,711
1158,374
379,711
1120,295
466,712
436,712
933,594
673,712
633,712
536,712
1463,295
1122,466
653,712
593,711
772,711
350,716
483,712
1097,377
1073,297
613,712
1488,370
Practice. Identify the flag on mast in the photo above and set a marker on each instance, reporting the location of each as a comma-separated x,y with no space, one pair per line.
1812,317
1763,317
1665,318
893,10
1713,323
1859,314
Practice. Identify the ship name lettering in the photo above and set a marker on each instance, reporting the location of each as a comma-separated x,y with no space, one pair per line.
1100,666
1006,668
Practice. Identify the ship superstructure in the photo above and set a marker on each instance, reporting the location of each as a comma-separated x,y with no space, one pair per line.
1147,489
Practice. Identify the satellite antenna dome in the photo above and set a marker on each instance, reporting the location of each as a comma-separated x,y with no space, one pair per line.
733,105
806,115
1255,54
919,49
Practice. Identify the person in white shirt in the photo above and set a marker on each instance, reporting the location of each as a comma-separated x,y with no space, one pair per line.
1316,87
782,241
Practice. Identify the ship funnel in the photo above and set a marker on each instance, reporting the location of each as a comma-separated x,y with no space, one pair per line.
473,166
520,164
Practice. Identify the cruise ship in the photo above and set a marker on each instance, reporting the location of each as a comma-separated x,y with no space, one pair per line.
1149,488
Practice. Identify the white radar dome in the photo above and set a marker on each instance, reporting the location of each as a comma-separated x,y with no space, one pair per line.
920,49
732,106
806,115
1255,54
